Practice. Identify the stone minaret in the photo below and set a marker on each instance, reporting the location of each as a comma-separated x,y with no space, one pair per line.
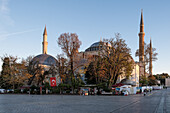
150,59
45,43
141,46
141,39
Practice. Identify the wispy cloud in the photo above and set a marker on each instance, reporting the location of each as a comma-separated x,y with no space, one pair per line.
5,13
4,6
8,35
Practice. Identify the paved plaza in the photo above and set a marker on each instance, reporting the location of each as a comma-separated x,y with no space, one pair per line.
155,102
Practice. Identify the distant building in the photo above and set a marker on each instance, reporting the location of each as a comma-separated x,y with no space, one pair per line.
167,82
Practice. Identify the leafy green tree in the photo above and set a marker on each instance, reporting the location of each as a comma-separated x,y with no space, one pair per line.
143,81
96,72
90,74
5,73
152,81
162,77
14,74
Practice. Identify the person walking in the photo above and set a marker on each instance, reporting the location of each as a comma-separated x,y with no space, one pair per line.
144,92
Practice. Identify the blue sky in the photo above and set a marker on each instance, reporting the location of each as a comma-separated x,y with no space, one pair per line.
22,23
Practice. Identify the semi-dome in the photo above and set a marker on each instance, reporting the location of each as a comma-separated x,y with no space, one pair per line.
44,59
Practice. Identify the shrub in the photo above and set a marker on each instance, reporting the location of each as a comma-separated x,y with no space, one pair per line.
56,90
25,90
17,91
67,91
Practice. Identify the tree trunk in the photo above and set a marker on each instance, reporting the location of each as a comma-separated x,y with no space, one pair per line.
144,72
46,90
115,79
40,88
72,74
13,85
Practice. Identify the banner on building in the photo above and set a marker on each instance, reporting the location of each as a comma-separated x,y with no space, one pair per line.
53,81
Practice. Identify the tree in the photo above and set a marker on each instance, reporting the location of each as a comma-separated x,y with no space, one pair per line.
14,74
91,73
162,77
117,58
113,60
70,44
5,73
62,68
146,56
96,71
37,74
27,60
144,80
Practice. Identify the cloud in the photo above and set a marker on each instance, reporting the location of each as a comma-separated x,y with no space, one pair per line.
4,6
5,13
7,35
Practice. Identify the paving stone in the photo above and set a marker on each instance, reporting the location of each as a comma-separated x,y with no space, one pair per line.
155,102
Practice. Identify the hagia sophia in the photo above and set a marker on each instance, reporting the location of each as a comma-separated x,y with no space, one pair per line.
47,60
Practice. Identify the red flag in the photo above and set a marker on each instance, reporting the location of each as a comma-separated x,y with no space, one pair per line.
53,81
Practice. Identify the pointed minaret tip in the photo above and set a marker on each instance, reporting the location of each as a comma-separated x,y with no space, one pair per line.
141,21
45,31
150,41
45,43
100,39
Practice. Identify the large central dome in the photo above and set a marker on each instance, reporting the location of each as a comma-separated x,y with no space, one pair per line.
95,46
44,59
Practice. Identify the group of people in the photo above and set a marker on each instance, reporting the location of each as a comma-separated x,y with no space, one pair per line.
146,90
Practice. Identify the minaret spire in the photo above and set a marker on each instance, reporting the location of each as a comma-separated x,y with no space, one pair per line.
141,21
45,31
100,39
141,39
150,59
141,45
45,43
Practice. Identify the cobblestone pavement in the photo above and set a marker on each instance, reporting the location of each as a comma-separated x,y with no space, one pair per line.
155,102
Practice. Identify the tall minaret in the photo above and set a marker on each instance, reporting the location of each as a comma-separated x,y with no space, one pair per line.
141,39
45,43
150,59
141,46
